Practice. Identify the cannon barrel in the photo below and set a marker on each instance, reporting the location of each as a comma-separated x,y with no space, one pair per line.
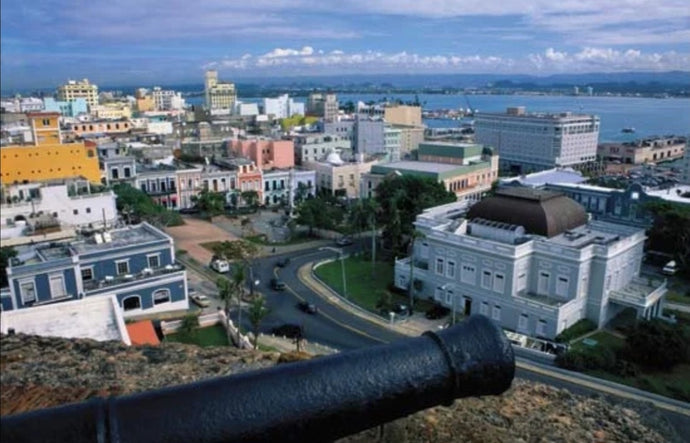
316,400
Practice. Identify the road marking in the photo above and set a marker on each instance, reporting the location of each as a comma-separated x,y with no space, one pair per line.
601,388
341,324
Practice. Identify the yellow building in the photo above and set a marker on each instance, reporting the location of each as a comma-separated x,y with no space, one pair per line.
145,103
112,111
75,89
47,157
403,115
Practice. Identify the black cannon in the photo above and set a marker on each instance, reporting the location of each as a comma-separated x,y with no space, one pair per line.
316,400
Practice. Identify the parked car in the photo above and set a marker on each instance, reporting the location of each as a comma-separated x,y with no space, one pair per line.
288,330
201,300
278,285
670,268
437,312
344,241
307,307
221,266
283,262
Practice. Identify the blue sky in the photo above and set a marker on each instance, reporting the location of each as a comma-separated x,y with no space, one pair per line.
145,42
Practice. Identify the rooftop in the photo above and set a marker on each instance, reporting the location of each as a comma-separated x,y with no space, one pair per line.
555,176
439,171
97,318
131,235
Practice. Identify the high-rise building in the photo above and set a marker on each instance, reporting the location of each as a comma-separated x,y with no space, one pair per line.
282,107
75,89
167,100
538,141
323,105
403,115
218,94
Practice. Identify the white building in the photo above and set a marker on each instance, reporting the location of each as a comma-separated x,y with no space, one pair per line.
167,100
391,142
218,94
338,177
282,107
530,260
532,142
246,109
67,203
26,104
314,147
685,165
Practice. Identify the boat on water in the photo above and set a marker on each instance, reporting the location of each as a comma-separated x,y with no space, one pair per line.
628,130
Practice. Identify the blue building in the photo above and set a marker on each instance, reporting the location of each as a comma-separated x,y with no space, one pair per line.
67,109
135,263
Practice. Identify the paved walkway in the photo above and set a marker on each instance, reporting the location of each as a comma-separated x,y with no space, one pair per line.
194,232
677,307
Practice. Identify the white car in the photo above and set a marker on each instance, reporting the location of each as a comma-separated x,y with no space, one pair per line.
221,266
201,300
670,268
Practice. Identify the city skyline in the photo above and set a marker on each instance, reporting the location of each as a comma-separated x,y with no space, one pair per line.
44,43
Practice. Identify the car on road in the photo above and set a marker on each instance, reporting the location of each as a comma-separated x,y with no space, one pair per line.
288,330
309,308
278,285
670,268
344,241
201,300
283,262
221,266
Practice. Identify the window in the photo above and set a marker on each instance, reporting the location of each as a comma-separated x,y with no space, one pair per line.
132,302
541,328
439,266
57,286
608,282
496,313
87,274
523,322
484,308
468,274
88,210
543,284
499,282
128,172
115,173
122,267
438,295
450,269
28,291
486,279
161,296
562,286
153,261
449,297
75,211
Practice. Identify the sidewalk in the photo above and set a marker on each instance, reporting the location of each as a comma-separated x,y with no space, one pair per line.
415,325
282,344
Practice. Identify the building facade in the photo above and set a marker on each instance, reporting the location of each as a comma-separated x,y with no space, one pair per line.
530,260
282,107
47,158
284,186
73,89
137,264
218,94
67,109
265,153
338,177
324,105
652,150
685,165
529,142
403,115
167,100
315,147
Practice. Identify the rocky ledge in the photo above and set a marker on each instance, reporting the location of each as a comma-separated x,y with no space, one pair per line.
39,372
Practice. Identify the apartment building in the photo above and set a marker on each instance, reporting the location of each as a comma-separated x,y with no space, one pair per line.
136,264
112,111
338,177
282,107
366,133
67,109
529,142
265,153
403,115
324,105
47,157
167,100
316,146
75,89
218,94
281,185
530,260
650,150
24,104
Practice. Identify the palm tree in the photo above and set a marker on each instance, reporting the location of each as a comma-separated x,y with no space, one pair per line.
257,312
189,324
225,293
238,277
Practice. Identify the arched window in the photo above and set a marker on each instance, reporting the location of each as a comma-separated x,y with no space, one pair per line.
161,296
132,302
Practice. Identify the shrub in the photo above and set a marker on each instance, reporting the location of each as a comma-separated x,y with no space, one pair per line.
577,330
657,345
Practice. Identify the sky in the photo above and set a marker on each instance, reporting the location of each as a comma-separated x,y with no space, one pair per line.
146,42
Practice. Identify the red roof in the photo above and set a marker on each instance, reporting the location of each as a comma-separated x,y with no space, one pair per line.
142,333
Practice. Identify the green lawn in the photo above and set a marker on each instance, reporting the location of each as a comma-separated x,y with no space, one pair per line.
603,339
674,296
364,287
210,336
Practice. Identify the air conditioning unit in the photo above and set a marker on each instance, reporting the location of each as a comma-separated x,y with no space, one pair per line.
147,271
109,278
169,267
128,276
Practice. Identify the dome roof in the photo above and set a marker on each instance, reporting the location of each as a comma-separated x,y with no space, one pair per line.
541,212
334,158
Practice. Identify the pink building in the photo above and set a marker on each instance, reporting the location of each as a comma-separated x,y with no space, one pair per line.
266,154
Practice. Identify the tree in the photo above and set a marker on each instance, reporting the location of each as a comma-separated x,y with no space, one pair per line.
319,213
209,202
189,324
670,231
657,345
257,312
403,197
137,204
7,253
250,198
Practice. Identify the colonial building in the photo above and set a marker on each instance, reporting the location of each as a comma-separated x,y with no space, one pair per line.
532,261
136,264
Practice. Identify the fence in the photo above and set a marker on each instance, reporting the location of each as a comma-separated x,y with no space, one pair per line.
169,327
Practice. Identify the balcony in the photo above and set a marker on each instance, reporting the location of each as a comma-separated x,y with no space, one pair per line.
147,273
639,293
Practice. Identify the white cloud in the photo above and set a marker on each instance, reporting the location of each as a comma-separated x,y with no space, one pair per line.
588,59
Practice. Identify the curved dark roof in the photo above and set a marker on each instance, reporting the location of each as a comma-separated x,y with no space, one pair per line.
541,212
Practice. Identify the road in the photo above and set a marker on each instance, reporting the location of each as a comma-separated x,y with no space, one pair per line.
339,329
